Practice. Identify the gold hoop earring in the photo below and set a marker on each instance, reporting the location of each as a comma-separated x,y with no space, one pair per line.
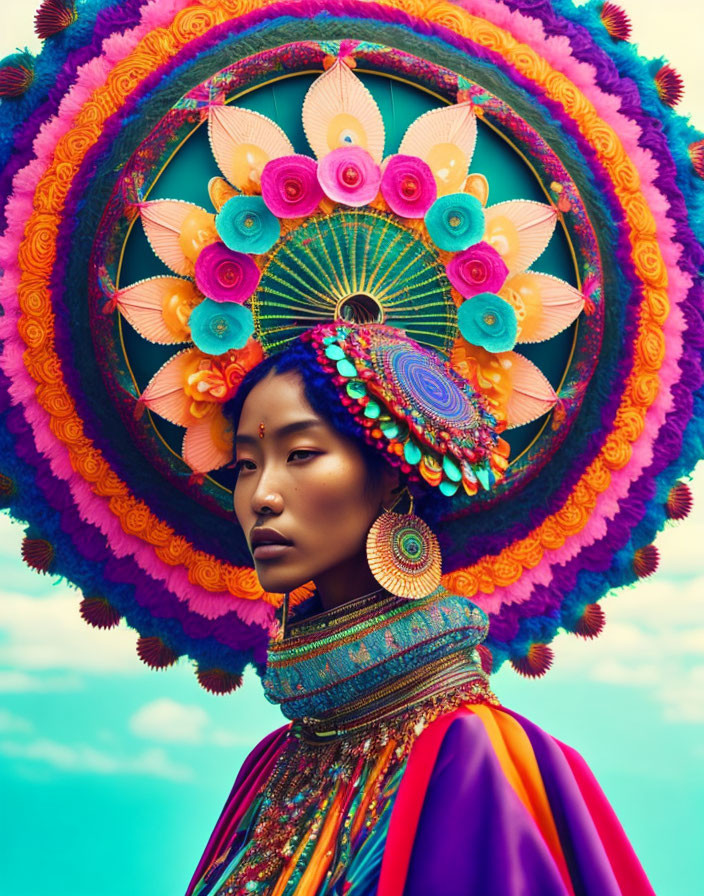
403,553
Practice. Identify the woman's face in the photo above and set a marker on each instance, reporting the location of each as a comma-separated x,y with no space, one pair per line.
302,495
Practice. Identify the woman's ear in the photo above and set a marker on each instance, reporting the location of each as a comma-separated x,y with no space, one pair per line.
392,486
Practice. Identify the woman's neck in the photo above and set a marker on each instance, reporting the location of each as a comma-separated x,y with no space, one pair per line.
345,582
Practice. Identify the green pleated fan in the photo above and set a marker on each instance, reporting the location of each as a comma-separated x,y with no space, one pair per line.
356,265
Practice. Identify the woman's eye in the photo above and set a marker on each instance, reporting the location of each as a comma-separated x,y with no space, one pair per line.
244,466
302,454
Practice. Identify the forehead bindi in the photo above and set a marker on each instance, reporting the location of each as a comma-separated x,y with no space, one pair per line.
276,408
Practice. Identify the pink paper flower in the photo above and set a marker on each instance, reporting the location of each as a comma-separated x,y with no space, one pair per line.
290,186
477,269
408,186
224,275
349,175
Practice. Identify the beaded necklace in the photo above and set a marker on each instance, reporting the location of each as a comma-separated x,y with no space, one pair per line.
375,672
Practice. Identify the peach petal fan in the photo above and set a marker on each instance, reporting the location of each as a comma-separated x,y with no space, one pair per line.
338,110
158,308
519,230
544,305
531,394
165,393
243,142
207,444
445,139
514,387
177,231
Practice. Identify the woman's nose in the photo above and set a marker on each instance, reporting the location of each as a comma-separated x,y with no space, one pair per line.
267,498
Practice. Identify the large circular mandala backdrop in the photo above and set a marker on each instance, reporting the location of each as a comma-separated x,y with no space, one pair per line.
567,116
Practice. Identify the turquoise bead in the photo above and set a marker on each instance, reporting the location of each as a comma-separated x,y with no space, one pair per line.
448,488
356,389
482,474
346,368
451,470
412,452
334,352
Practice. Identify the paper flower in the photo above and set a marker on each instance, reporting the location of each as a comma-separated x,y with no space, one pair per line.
478,269
245,224
290,186
408,186
488,321
217,327
224,275
350,176
455,222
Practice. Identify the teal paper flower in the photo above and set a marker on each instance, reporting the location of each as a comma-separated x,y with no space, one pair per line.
245,224
455,222
488,321
216,327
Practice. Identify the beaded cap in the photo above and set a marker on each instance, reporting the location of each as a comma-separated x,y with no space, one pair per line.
432,423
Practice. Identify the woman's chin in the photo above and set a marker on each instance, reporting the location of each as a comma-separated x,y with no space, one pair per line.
279,581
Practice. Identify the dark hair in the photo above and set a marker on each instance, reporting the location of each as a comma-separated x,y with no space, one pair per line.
320,394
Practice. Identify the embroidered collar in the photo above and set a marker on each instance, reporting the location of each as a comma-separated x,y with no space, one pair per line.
374,654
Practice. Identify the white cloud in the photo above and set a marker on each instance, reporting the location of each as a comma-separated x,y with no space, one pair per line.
47,633
167,720
85,759
653,639
10,723
15,682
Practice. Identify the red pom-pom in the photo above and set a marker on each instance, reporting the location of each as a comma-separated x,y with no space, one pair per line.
7,486
616,21
218,681
99,612
670,85
646,560
591,622
38,553
535,663
696,154
679,501
155,653
16,75
54,16
485,658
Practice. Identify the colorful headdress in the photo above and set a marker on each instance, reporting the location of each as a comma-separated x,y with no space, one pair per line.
294,166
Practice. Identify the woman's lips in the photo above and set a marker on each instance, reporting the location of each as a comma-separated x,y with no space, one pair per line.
270,551
268,543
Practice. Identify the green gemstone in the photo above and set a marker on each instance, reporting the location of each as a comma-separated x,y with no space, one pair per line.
372,410
482,474
356,389
346,368
451,470
412,453
448,488
390,429
334,352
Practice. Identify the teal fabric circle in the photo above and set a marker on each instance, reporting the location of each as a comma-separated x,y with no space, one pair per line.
489,321
455,222
217,327
245,224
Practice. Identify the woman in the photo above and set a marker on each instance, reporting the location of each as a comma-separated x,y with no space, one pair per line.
399,772
146,125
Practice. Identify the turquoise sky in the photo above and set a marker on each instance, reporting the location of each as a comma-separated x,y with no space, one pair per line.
112,775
